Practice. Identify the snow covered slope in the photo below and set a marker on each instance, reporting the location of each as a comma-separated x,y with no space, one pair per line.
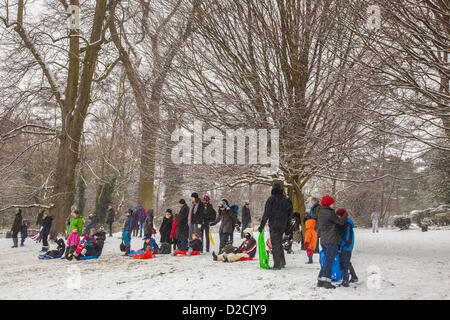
391,265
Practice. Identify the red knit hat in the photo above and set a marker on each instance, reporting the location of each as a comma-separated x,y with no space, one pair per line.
327,201
340,212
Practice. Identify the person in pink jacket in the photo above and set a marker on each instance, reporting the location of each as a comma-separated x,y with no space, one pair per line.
73,241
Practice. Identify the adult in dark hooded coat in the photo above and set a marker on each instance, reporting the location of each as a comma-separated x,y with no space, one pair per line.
16,227
39,218
166,226
183,227
45,231
278,211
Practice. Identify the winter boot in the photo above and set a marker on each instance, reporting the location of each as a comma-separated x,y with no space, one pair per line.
353,280
224,258
320,283
328,285
44,249
345,284
310,261
214,256
15,242
127,251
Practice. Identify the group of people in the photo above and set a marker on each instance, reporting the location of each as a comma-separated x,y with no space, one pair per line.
188,231
333,227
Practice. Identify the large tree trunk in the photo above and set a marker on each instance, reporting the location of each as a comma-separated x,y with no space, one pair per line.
147,168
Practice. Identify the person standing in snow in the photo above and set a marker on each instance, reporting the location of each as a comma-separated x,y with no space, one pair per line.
135,216
228,222
209,215
183,227
246,218
142,218
148,223
110,215
39,218
310,238
173,232
16,227
374,218
278,211
24,231
75,222
313,214
166,227
346,248
195,218
330,239
45,230
127,230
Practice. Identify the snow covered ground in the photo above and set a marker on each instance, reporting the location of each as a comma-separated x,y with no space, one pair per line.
391,264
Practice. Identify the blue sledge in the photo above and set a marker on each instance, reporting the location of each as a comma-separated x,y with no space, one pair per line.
89,257
336,272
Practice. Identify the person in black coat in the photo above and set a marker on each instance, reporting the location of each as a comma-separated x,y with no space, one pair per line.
246,218
39,218
16,227
195,218
166,226
209,215
45,230
183,227
110,215
278,211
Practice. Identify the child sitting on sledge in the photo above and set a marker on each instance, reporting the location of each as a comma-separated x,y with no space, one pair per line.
53,254
94,247
86,242
246,251
195,247
149,245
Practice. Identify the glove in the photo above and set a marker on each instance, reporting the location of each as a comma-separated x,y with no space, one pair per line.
260,229
306,244
237,228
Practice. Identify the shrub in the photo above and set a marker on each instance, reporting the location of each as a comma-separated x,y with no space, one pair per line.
402,222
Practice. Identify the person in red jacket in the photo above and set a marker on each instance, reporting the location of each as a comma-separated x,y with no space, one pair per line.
173,232
246,251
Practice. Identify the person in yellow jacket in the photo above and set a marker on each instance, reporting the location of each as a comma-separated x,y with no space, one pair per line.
310,239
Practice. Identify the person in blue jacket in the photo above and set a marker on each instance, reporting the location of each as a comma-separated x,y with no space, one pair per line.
127,229
346,247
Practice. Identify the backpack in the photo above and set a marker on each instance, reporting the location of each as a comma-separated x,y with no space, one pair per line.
165,248
211,215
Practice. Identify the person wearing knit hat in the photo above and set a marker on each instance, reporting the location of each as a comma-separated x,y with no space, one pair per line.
195,218
327,201
346,247
329,238
127,230
208,217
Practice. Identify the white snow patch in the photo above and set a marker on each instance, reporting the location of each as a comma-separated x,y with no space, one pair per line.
390,264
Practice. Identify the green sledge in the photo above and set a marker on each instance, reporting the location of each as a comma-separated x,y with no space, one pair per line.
263,258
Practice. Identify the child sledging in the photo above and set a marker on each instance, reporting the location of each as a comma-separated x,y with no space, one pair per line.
246,251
